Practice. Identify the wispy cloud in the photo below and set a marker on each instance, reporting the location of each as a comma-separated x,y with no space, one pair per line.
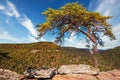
109,8
32,39
105,7
27,23
11,11
72,37
6,36
23,19
2,7
73,42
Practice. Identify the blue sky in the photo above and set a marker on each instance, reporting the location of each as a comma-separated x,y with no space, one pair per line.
19,17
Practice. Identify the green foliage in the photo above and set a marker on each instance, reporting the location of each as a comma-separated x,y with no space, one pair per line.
72,17
18,57
110,59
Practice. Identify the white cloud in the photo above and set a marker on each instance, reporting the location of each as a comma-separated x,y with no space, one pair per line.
73,42
27,23
24,20
114,43
10,10
78,44
105,7
33,39
72,37
2,7
42,39
109,8
6,36
116,30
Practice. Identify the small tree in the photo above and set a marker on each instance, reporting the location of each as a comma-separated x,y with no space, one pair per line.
73,17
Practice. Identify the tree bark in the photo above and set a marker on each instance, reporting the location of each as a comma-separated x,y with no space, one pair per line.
94,51
94,56
88,35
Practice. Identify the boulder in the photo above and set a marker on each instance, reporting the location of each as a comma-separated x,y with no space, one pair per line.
78,69
8,75
40,73
106,76
74,77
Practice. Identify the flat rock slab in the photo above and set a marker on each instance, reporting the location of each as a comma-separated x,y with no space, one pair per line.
74,77
78,69
106,76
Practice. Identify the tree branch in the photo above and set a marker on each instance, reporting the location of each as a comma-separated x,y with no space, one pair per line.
88,35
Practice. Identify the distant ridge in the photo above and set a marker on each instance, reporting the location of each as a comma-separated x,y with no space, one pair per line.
18,57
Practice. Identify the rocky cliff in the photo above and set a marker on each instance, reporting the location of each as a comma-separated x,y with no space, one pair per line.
65,72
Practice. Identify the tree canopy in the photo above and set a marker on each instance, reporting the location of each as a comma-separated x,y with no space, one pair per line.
71,17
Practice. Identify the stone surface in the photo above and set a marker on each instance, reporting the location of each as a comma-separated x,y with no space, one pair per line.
28,79
106,76
115,73
74,77
40,73
78,69
8,75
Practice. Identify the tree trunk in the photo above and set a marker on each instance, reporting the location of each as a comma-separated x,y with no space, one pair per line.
94,51
94,56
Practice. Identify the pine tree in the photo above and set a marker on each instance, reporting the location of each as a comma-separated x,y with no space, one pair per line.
73,17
